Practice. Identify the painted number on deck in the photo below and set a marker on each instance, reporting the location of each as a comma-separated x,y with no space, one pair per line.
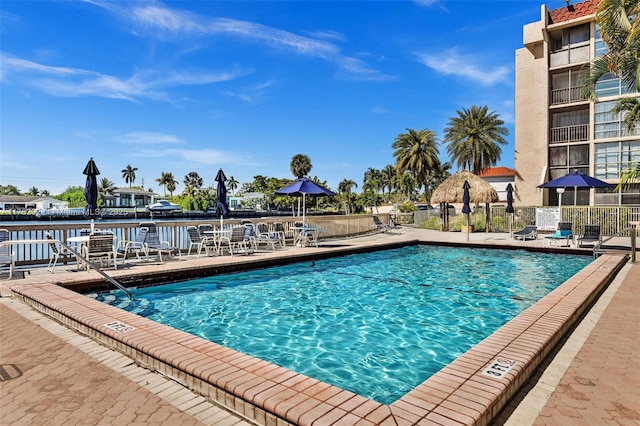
499,367
119,326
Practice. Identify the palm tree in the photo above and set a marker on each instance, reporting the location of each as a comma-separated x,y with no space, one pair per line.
164,179
416,152
105,186
473,138
129,174
344,187
439,174
406,185
300,165
232,184
632,107
388,174
192,183
619,28
171,185
33,191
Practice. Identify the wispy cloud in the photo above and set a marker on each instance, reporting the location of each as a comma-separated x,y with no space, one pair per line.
163,22
425,3
451,62
74,82
197,157
148,138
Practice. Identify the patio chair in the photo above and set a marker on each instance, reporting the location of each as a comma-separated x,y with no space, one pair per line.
379,226
591,234
203,228
249,233
7,256
100,247
196,239
137,246
57,252
278,229
153,243
236,240
266,237
564,232
529,232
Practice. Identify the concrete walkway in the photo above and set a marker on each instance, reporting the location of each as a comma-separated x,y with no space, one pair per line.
51,375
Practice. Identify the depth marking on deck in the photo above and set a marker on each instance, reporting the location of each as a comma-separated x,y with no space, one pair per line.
499,367
119,326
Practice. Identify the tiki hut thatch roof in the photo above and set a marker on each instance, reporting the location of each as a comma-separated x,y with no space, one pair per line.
450,191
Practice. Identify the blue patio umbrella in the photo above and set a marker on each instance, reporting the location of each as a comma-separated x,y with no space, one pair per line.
466,209
304,187
222,208
91,190
576,180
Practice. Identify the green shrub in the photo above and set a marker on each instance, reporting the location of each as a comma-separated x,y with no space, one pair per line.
431,223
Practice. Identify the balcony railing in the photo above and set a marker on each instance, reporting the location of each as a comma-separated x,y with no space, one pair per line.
568,134
568,95
565,56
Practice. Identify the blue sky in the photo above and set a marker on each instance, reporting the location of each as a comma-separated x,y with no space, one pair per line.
242,85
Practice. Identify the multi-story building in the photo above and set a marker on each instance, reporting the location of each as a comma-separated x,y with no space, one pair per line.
557,129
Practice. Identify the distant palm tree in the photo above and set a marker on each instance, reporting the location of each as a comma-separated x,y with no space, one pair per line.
232,184
164,180
105,187
416,152
373,180
406,185
192,183
473,138
45,193
300,165
388,174
344,188
129,174
439,174
33,191
171,185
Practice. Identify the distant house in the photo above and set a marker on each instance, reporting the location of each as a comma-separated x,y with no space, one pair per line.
499,178
28,202
129,197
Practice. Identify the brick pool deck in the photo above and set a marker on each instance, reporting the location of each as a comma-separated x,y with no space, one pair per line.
50,374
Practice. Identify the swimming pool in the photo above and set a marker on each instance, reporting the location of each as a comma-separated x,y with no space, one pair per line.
377,324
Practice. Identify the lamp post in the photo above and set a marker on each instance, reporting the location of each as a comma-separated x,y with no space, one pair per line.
560,191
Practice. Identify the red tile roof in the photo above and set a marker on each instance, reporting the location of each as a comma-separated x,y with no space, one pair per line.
573,11
497,171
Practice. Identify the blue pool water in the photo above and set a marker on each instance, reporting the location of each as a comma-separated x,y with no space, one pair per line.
377,324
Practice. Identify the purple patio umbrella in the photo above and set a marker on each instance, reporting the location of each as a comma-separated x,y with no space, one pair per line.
304,187
576,180
91,190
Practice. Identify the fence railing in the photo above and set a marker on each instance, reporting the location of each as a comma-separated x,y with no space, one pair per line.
173,231
611,219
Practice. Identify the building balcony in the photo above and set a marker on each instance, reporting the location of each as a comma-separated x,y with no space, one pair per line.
566,56
568,95
569,134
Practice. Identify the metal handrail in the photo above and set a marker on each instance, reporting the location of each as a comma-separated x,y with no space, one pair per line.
97,268
597,246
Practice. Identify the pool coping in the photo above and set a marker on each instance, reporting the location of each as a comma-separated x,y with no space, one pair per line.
460,393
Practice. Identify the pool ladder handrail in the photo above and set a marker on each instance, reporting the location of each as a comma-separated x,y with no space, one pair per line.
98,269
632,234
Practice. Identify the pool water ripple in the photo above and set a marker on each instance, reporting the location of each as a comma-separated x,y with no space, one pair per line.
377,324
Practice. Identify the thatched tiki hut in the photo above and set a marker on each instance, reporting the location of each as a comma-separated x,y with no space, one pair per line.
451,190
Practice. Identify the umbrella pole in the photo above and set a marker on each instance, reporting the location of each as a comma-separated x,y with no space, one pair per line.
467,226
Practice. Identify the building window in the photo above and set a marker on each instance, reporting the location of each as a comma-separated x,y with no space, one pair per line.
628,196
571,45
612,158
609,85
608,125
565,159
567,87
571,126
